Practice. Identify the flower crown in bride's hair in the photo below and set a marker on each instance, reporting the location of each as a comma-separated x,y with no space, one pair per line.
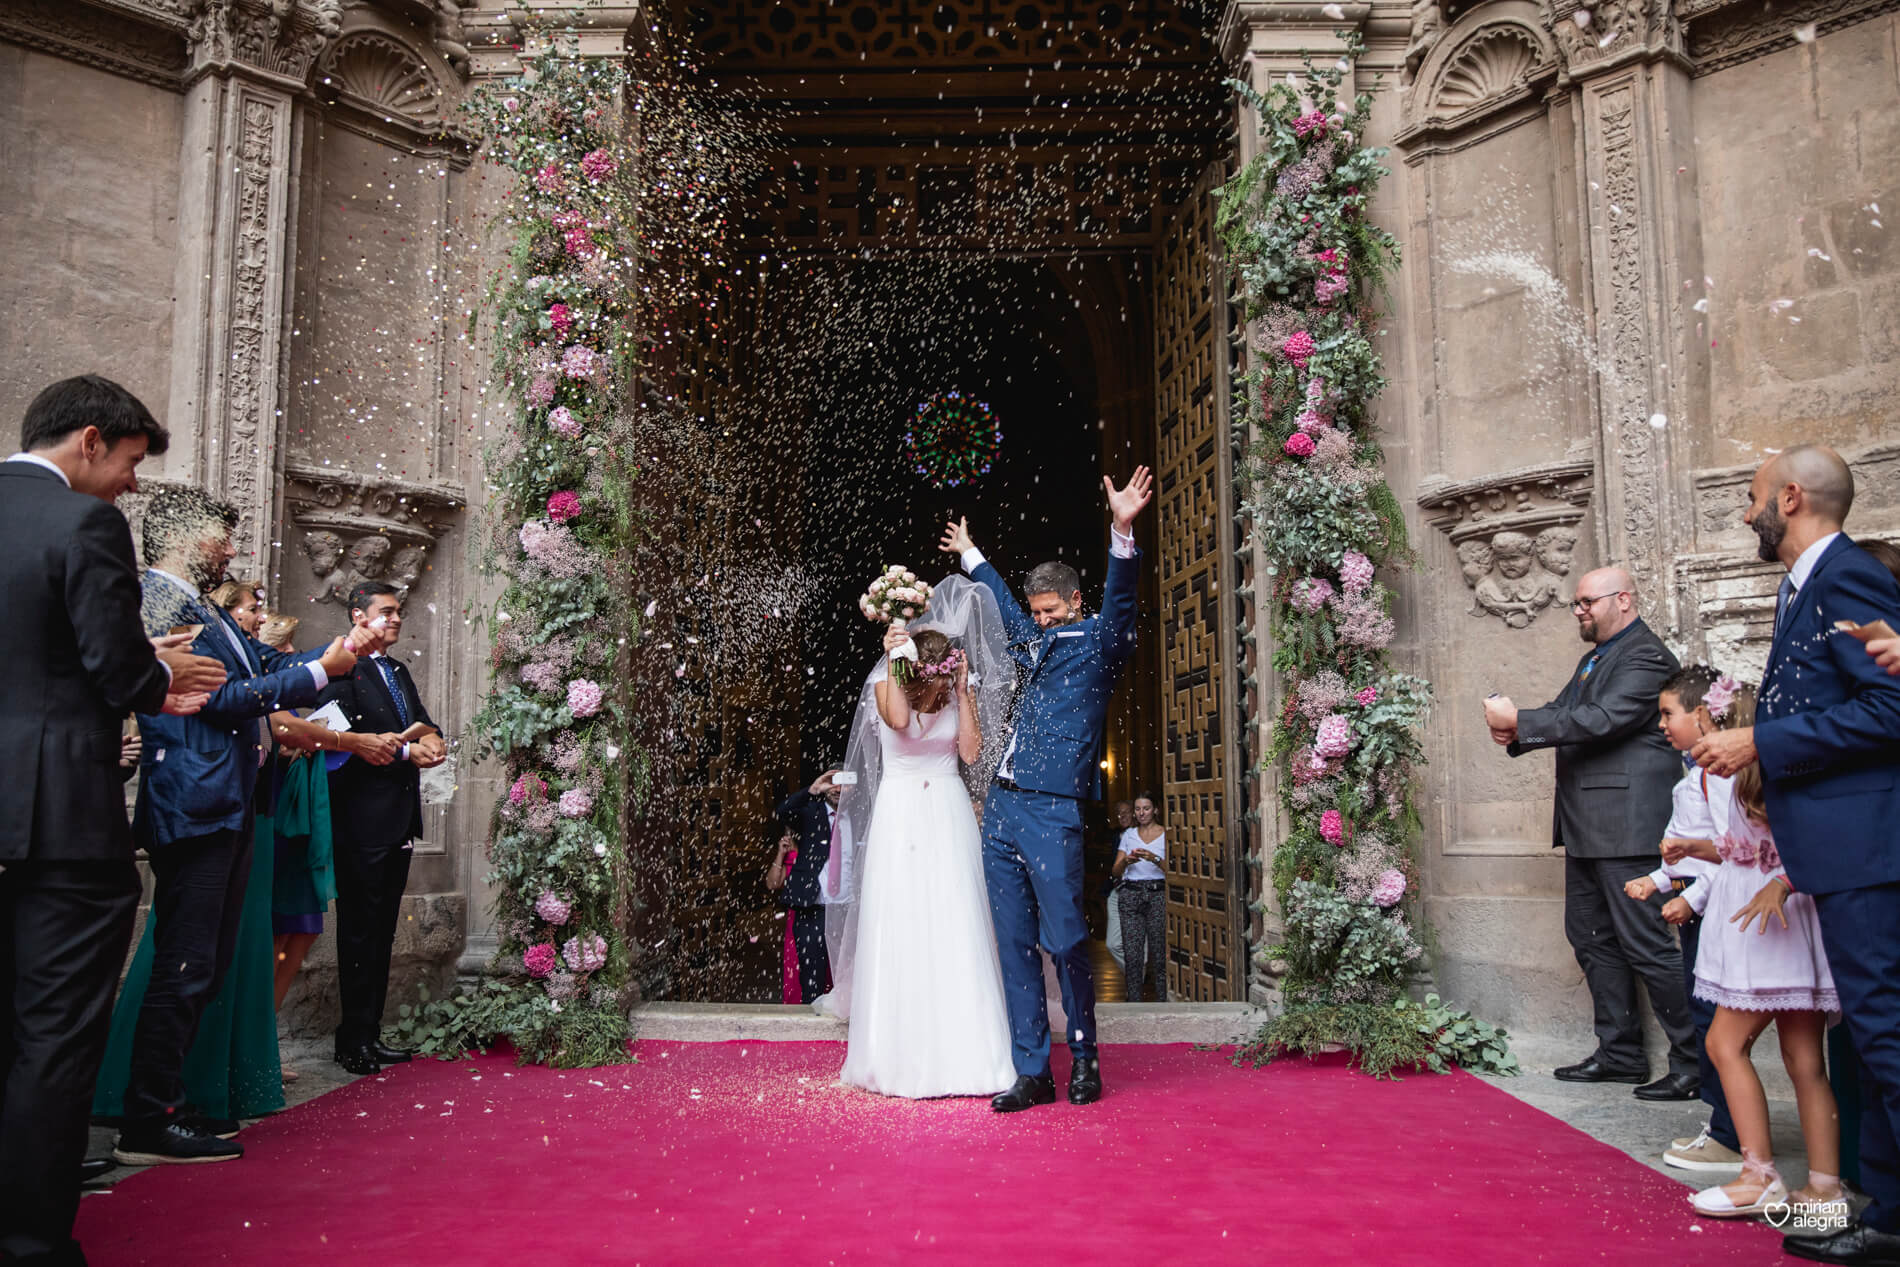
946,667
1720,697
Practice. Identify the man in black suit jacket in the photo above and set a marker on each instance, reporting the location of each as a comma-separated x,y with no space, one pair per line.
376,816
78,662
1615,774
809,814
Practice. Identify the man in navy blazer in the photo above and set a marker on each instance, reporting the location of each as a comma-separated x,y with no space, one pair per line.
197,777
1827,735
1032,817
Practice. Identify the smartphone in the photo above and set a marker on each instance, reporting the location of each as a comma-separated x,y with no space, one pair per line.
1867,632
191,631
845,778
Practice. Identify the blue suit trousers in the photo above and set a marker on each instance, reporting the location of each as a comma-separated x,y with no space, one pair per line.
1860,929
1032,865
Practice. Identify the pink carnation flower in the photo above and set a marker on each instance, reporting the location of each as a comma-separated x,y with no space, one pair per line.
564,505
1299,445
1298,347
577,802
598,165
583,697
560,318
1355,572
1367,696
1334,737
1390,889
564,421
553,908
1332,827
548,179
541,959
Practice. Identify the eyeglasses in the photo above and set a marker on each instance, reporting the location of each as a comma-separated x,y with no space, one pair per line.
1583,605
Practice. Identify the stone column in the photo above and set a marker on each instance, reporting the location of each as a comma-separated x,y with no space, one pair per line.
250,63
1624,62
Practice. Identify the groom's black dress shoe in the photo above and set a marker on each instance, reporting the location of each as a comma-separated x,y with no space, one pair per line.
1594,1070
1085,1082
1855,1243
96,1168
1026,1094
1671,1086
359,1060
389,1055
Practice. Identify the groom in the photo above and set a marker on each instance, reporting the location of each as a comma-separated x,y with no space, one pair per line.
1032,818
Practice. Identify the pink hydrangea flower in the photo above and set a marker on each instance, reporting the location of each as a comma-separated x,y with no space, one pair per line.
553,908
1332,827
541,390
1299,445
598,165
564,505
585,954
1311,124
560,318
580,361
1309,421
564,422
583,697
577,802
1311,593
1334,737
1390,889
541,959
1355,572
529,787
579,242
1330,287
548,179
1298,348
1367,696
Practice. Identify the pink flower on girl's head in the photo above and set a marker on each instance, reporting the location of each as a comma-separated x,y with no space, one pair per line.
1720,696
1332,827
1299,445
564,505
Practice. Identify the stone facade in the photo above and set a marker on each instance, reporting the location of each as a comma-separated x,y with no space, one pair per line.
1644,246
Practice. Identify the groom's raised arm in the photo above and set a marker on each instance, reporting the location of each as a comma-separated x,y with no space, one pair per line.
1016,622
1119,593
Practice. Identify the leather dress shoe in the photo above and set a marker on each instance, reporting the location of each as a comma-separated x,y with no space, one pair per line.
390,1055
1085,1082
1594,1070
1026,1094
1855,1243
359,1060
1671,1086
95,1168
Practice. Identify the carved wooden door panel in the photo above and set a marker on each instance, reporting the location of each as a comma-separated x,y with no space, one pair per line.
1194,505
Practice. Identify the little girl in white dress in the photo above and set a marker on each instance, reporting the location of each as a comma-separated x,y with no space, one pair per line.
1761,961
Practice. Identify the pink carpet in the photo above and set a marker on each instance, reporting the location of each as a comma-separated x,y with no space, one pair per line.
750,1153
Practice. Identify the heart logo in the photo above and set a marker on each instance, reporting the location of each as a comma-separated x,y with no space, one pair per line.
1777,1213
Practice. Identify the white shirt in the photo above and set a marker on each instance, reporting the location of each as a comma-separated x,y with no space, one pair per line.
1694,816
1122,546
37,460
1144,870
1798,574
233,636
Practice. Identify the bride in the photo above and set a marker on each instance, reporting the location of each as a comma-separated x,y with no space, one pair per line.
914,959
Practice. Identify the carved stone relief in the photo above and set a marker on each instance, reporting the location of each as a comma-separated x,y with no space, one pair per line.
1514,533
353,528
1594,35
278,37
152,52
1724,33
1491,59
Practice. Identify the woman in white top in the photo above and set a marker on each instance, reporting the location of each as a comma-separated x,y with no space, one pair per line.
1143,897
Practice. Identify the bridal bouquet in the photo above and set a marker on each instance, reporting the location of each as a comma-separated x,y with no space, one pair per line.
895,598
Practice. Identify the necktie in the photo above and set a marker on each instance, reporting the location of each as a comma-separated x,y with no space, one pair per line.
1783,598
1589,664
834,866
395,690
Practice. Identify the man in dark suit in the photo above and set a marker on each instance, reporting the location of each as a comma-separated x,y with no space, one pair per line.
811,815
376,816
1615,773
195,817
78,662
1827,735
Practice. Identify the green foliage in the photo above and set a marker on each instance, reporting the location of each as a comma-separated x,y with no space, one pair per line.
1384,1039
474,1018
1342,951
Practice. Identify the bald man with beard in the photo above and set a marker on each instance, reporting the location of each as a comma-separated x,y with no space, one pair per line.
1615,775
1827,737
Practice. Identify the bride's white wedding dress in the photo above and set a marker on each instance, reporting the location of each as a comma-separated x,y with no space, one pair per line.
927,1015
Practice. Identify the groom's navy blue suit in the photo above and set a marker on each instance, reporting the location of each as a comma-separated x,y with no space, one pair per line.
1827,730
1032,819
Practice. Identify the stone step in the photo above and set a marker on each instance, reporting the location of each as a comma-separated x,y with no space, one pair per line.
777,1023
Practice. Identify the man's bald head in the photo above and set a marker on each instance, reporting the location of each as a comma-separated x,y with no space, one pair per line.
1826,482
1605,605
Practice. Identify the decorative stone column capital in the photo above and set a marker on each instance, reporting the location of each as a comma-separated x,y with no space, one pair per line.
1594,36
277,40
353,528
1514,533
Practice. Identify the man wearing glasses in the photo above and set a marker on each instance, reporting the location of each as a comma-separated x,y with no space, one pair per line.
1615,772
